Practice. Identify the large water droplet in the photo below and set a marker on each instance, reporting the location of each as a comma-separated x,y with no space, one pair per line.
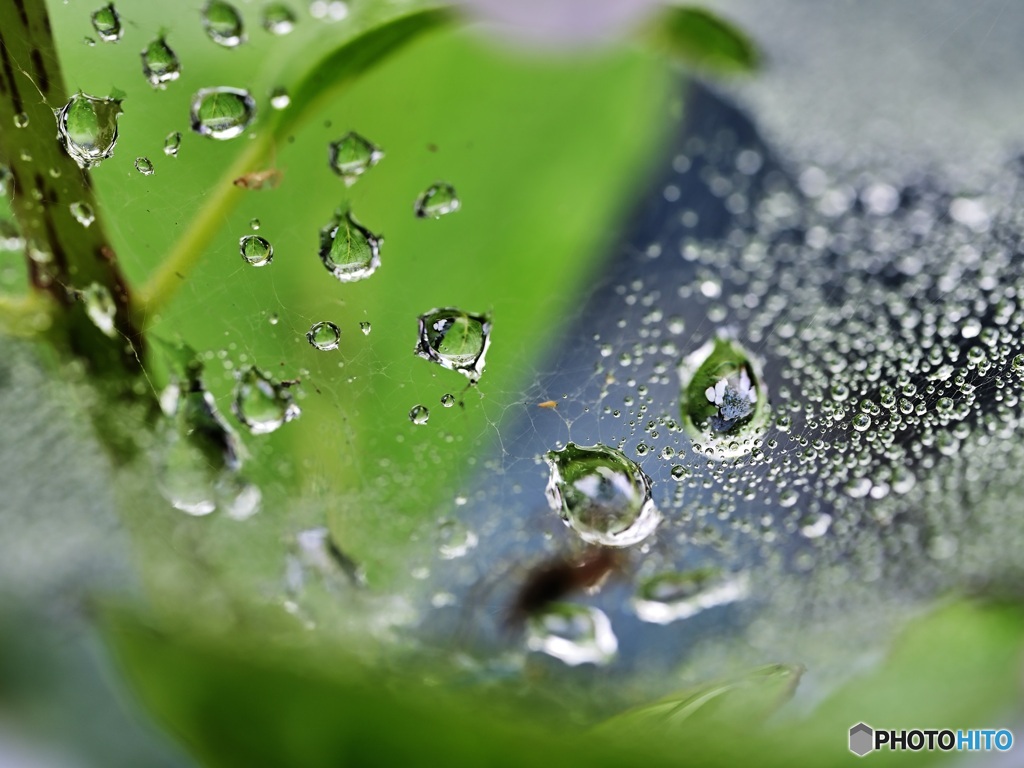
601,494
160,64
107,23
172,143
574,634
100,307
324,336
144,166
278,19
255,250
348,250
669,597
438,200
223,23
201,455
87,128
419,415
351,155
455,340
723,401
83,213
261,403
223,112
447,399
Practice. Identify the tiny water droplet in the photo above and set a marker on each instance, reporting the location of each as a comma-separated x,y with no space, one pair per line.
324,336
601,494
723,400
348,250
107,23
255,250
223,23
144,166
83,213
100,308
21,120
222,112
254,225
278,19
279,98
160,64
455,340
438,200
261,403
455,540
365,327
89,41
447,400
87,128
5,178
172,143
334,10
419,414
273,319
351,155
670,597
574,634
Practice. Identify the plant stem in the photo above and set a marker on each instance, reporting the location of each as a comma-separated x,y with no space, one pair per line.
62,257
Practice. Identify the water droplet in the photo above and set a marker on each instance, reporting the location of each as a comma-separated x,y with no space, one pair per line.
262,403
447,400
438,200
324,336
144,166
107,23
419,415
455,540
670,597
455,340
574,634
348,250
222,112
815,526
21,120
723,401
254,225
160,64
83,213
89,41
256,251
278,19
351,155
172,143
273,319
365,327
5,178
100,307
87,128
279,98
201,455
601,494
223,23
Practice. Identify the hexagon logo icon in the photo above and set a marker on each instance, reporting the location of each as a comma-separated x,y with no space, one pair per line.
862,739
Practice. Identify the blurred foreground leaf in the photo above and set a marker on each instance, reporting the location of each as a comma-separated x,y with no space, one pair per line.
704,41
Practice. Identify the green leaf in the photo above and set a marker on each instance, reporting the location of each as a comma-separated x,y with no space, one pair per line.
701,40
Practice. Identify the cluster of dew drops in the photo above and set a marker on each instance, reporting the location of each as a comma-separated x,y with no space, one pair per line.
88,131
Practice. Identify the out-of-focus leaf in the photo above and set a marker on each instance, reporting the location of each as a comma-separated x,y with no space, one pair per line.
704,41
748,698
